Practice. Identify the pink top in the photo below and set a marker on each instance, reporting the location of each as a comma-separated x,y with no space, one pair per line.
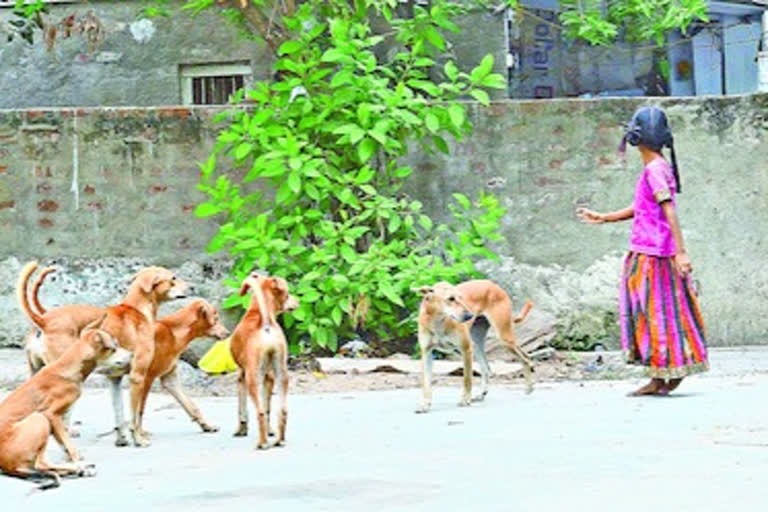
651,233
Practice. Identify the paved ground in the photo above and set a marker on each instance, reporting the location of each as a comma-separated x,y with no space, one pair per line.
568,446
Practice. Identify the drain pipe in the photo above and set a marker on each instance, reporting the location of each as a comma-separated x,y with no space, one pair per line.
762,58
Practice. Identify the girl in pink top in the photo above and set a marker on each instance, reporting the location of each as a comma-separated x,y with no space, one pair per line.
661,324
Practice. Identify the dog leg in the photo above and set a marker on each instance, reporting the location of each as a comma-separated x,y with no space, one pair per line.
426,378
258,393
281,373
501,318
269,382
478,339
466,353
242,406
117,406
59,431
139,368
171,384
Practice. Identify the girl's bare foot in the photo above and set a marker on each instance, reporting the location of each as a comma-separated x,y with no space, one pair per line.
669,386
651,388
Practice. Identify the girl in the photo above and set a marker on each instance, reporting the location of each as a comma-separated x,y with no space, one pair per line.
661,325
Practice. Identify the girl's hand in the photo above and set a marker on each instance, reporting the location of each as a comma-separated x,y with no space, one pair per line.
589,216
683,263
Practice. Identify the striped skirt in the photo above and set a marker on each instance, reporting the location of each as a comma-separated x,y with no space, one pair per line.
661,324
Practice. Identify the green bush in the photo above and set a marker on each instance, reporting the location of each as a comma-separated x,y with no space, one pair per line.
321,201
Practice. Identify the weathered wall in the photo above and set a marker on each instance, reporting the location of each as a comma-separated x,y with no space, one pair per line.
136,63
137,173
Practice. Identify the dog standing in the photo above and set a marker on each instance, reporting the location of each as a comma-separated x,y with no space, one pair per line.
130,322
259,348
31,413
449,314
173,334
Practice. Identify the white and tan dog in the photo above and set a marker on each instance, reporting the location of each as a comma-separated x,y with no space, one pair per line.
449,314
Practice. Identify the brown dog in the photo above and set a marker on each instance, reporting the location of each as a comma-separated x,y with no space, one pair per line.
450,313
31,413
259,348
131,323
173,334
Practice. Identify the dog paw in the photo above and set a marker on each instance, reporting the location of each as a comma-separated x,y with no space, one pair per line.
479,398
279,444
209,428
262,446
141,442
88,470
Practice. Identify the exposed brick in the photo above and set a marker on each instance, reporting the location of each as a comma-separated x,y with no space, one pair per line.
7,204
95,206
89,189
45,223
43,187
3,169
555,164
177,112
156,189
188,208
47,205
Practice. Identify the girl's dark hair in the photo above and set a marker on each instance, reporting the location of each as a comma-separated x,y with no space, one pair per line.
650,128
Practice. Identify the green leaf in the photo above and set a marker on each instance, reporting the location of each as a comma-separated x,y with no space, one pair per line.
441,144
425,222
433,36
451,71
481,96
294,182
243,150
336,315
457,115
289,47
433,124
462,200
206,210
366,149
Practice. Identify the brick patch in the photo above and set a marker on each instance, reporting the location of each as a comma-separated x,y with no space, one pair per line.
7,204
47,205
45,223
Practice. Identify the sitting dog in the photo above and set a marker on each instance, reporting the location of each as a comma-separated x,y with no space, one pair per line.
173,334
259,348
31,413
130,322
448,314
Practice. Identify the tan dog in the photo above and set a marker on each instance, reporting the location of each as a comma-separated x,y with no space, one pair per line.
259,348
131,323
31,413
173,334
449,314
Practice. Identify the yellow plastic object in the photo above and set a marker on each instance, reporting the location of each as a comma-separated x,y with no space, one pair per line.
218,359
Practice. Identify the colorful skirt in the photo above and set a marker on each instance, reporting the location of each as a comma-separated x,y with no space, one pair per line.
661,324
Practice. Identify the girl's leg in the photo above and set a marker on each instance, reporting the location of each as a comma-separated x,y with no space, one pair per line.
651,388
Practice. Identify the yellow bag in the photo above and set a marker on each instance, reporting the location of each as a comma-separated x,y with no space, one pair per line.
218,359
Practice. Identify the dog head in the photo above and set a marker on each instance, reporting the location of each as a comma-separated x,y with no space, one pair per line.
274,287
160,283
444,300
209,321
101,342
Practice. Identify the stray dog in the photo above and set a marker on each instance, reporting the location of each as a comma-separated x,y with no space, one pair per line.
259,348
448,314
173,334
31,413
131,323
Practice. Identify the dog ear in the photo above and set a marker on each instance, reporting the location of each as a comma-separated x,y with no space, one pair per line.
146,281
423,290
204,311
96,323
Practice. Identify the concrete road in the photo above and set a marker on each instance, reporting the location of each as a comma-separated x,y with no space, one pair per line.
567,446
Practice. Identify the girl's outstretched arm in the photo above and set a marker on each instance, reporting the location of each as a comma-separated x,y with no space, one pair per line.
591,217
682,261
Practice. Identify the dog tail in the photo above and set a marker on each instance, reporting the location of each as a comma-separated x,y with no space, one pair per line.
21,292
524,313
36,289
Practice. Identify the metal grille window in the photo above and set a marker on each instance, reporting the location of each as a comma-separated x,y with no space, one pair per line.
212,84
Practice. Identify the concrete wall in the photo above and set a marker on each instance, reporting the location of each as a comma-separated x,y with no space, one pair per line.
137,62
136,177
